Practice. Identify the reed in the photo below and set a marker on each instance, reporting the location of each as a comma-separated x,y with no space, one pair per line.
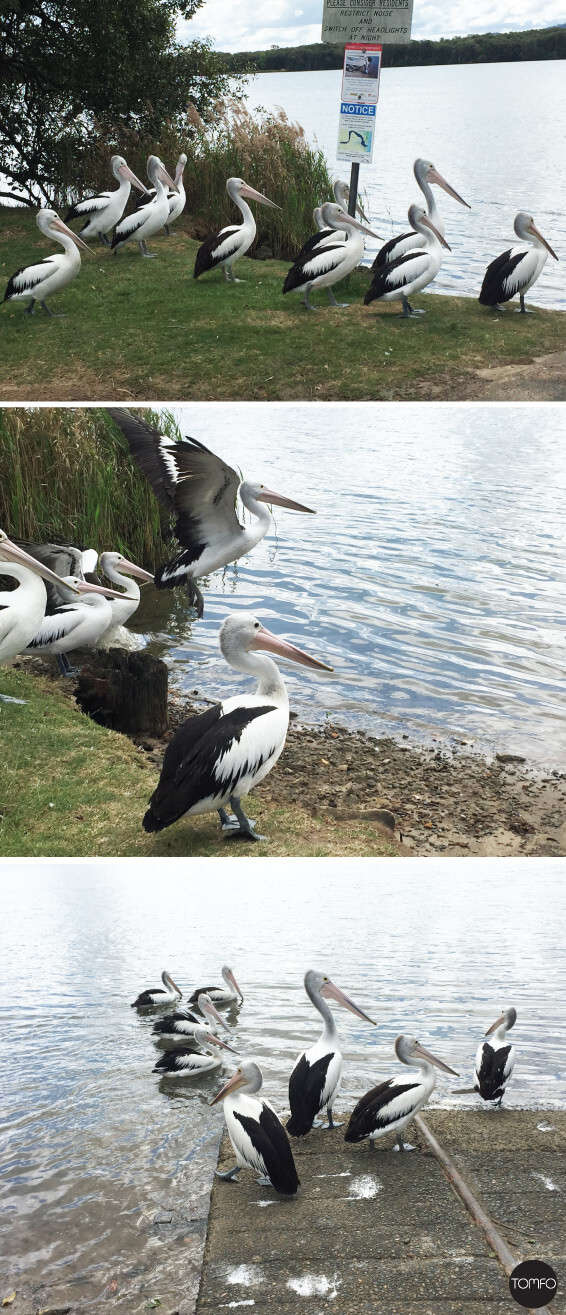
66,476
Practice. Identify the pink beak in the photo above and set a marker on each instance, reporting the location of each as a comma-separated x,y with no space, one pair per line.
333,992
495,1025
235,984
531,228
210,1011
12,551
126,172
433,176
432,1059
237,1080
130,568
179,173
252,195
272,644
166,178
58,223
215,1040
85,587
277,500
429,224
349,219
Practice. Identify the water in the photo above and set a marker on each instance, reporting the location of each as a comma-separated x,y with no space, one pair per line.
432,577
95,1150
492,130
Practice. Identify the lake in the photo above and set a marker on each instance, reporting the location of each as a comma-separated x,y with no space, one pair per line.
105,1169
432,578
494,131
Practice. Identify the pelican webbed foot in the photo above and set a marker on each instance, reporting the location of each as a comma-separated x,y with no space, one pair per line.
105,241
245,828
54,315
407,309
144,251
30,310
229,1176
167,230
522,309
340,305
65,666
264,1181
401,1145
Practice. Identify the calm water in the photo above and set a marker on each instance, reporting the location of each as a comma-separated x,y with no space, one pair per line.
106,1170
495,132
433,577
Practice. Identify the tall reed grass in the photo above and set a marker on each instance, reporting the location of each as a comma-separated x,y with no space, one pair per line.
66,476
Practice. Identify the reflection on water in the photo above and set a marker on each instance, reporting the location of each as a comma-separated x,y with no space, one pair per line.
461,118
106,1169
432,577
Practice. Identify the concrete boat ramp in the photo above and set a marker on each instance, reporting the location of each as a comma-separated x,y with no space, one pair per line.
372,1232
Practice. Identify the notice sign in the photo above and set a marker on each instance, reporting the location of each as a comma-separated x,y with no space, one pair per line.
360,92
386,21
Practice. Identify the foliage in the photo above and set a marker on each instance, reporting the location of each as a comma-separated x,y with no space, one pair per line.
481,48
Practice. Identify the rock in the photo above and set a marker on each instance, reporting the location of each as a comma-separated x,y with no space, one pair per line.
510,758
125,691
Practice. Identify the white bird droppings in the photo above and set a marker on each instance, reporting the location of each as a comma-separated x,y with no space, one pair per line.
363,1189
315,1285
248,1276
546,1127
552,1187
263,1204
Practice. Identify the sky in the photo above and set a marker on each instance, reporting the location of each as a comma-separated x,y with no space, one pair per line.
259,24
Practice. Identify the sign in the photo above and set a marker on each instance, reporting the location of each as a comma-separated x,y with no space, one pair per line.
360,94
385,21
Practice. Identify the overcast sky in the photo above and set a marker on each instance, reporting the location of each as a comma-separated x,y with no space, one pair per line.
259,24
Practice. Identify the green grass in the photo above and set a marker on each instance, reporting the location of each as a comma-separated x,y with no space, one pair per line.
70,788
144,329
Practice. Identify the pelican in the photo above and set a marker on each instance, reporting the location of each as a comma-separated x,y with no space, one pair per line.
190,1063
183,1023
223,995
391,1105
517,269
258,1138
412,272
226,247
168,994
120,571
315,1079
215,758
104,211
64,559
146,221
495,1059
21,609
200,489
176,196
425,174
327,264
73,624
36,282
325,236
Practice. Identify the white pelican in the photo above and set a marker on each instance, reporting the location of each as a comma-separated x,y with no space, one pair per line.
73,624
64,559
176,197
120,571
393,1103
21,609
315,1079
167,994
36,282
200,489
223,995
191,1063
517,269
225,247
327,264
425,174
184,1022
104,211
215,758
325,235
258,1138
412,272
495,1059
149,218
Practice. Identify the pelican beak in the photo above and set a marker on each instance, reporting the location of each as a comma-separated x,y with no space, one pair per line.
128,173
333,992
252,195
179,173
85,587
235,984
273,644
432,1059
12,552
212,1010
62,228
433,176
166,178
495,1025
237,1080
349,219
130,568
215,1040
277,500
532,228
429,224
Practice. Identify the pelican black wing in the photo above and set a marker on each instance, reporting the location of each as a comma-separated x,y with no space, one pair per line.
492,290
396,275
208,255
299,273
492,1078
146,997
271,1142
384,252
371,1111
306,1088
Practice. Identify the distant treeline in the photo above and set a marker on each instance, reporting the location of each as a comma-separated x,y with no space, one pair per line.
485,48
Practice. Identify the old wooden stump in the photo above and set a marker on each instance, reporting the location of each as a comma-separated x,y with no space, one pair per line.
125,691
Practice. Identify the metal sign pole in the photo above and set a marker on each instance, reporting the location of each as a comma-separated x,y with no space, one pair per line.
354,181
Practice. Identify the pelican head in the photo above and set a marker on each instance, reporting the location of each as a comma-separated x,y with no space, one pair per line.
248,1075
319,984
419,221
335,217
259,493
204,1037
410,1051
50,224
10,552
525,228
242,632
156,170
507,1020
425,172
167,980
236,187
208,1010
85,587
181,162
121,169
231,980
342,197
117,562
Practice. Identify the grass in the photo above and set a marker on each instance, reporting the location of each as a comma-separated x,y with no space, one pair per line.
71,788
138,329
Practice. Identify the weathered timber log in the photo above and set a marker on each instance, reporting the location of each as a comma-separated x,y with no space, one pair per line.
125,691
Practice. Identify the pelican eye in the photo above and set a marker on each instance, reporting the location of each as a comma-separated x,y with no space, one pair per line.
257,625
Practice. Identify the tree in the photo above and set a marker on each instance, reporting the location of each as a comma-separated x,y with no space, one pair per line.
74,70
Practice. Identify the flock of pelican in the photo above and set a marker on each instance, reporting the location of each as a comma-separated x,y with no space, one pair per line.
259,1139
403,267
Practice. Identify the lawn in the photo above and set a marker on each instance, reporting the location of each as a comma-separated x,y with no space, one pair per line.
70,788
145,330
